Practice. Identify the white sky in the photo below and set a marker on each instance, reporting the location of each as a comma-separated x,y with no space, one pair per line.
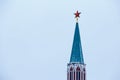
36,38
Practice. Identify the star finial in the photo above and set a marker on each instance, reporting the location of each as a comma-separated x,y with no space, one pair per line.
77,15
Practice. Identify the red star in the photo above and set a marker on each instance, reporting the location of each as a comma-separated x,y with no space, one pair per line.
77,14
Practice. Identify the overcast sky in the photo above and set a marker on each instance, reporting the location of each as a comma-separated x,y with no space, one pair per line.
36,38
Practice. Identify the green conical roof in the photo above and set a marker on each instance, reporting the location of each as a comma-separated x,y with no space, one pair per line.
76,53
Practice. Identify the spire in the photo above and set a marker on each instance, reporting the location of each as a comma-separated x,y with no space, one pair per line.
76,53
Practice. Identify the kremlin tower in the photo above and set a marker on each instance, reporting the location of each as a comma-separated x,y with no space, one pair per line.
76,68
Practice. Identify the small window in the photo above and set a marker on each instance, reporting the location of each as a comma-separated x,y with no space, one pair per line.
84,69
71,69
78,69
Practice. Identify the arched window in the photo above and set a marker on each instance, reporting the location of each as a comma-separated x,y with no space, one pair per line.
78,73
74,74
84,76
71,73
68,75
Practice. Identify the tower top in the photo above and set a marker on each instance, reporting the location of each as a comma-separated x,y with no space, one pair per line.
76,53
77,15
